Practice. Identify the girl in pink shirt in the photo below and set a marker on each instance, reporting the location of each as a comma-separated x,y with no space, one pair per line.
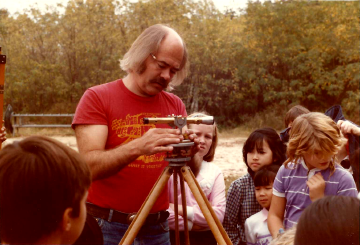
211,181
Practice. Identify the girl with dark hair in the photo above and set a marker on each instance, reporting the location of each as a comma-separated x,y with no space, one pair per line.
262,148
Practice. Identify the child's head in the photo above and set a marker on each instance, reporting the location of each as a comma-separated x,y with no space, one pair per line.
263,181
208,136
293,113
263,147
331,220
287,238
315,137
43,188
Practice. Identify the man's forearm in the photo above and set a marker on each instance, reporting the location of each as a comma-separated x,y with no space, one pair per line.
105,163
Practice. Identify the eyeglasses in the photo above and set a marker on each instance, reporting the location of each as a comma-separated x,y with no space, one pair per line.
163,65
153,56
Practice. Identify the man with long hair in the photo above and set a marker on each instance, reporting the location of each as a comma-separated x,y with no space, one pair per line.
125,156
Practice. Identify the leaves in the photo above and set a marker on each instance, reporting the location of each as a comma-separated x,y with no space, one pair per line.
271,55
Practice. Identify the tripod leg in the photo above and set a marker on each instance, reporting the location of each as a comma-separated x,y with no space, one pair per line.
183,199
140,218
209,214
176,207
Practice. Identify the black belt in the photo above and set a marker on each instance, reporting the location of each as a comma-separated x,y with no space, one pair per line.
116,216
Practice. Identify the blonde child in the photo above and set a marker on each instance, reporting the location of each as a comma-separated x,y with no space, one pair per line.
310,171
256,228
262,148
211,181
287,238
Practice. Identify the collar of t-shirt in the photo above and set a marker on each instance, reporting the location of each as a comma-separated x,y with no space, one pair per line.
312,172
264,214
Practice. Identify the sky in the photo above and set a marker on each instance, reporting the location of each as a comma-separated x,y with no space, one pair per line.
19,5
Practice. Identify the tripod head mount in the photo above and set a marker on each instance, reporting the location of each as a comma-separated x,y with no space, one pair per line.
182,151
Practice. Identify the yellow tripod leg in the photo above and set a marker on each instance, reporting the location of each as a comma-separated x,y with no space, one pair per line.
209,214
144,211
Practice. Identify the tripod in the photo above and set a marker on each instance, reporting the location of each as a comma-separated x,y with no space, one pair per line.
177,165
209,214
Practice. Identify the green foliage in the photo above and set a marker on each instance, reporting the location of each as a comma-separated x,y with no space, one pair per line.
265,59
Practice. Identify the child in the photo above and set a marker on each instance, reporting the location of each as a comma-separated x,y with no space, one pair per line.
293,113
310,171
290,116
43,190
332,220
263,147
287,238
256,228
211,181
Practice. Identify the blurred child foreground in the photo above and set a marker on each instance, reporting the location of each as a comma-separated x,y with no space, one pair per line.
43,190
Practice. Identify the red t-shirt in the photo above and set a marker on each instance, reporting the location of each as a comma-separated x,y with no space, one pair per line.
112,104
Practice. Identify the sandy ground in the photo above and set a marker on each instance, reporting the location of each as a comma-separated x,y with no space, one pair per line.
228,154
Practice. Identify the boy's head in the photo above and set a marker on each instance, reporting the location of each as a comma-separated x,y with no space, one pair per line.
43,187
331,220
263,181
290,116
293,113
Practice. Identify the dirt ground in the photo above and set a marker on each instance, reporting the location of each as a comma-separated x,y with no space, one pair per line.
228,155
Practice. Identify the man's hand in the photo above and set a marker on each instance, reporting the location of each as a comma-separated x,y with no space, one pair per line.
156,140
193,137
316,186
347,127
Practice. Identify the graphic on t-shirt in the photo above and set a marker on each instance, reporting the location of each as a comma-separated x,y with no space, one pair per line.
133,127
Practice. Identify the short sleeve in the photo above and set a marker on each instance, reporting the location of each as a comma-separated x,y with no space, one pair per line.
90,110
347,185
278,187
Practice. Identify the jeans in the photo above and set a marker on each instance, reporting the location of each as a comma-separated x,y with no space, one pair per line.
149,234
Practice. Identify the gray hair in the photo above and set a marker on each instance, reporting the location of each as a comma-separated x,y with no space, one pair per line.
149,42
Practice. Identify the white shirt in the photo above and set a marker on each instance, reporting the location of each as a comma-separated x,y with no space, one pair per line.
256,229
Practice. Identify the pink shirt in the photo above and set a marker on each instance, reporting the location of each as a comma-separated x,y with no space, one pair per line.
211,181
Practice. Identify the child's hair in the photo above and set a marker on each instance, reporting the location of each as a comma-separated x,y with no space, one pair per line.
287,238
256,139
266,175
210,155
331,220
311,133
354,163
293,113
39,179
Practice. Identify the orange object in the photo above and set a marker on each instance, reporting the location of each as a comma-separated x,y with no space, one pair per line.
2,80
